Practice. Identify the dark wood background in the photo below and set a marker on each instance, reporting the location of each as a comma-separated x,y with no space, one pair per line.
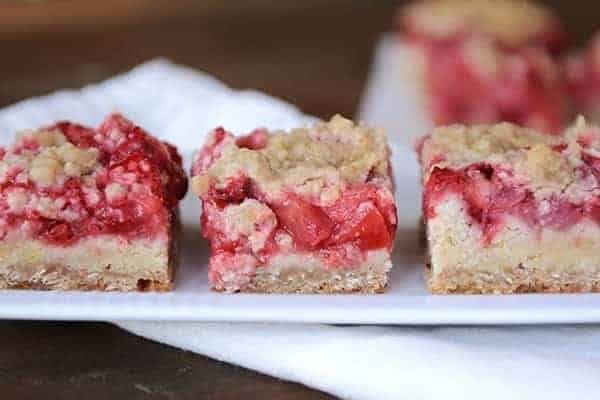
313,53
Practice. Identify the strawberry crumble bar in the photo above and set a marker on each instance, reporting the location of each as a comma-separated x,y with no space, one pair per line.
508,209
306,211
484,61
89,209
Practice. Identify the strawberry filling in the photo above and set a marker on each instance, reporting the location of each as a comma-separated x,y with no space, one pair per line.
491,194
308,224
518,85
253,141
131,192
361,220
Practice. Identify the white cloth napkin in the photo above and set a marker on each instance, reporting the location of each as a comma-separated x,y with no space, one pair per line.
404,362
350,362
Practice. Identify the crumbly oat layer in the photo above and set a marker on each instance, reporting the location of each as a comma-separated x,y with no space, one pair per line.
513,22
518,259
548,165
516,280
368,280
295,274
98,263
316,161
53,162
456,146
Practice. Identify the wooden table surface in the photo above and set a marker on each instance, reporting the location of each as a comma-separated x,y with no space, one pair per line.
313,53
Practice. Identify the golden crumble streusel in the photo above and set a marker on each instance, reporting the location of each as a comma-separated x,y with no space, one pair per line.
317,160
547,164
53,161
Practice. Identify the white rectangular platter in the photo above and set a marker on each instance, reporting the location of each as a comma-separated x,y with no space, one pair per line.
207,104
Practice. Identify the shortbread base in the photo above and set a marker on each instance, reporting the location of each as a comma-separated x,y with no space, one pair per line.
515,280
298,274
100,263
517,260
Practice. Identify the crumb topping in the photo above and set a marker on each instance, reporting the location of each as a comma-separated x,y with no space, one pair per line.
252,220
47,158
115,191
547,165
41,138
316,161
513,22
459,145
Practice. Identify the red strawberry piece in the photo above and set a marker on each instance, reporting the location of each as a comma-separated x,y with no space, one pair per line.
58,233
366,227
254,141
307,223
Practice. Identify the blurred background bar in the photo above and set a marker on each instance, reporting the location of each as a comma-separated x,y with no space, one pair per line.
313,53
